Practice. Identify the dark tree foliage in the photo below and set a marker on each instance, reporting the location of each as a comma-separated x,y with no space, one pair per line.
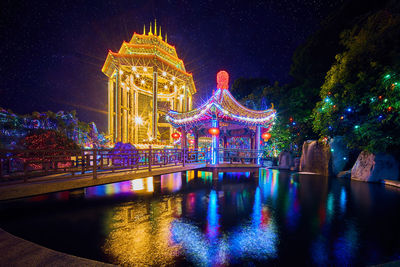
361,93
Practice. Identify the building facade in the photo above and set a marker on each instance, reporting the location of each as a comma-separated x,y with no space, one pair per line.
146,79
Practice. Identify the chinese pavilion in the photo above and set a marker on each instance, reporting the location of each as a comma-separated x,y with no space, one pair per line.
223,118
146,78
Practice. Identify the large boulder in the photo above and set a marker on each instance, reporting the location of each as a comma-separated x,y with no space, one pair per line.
340,154
375,167
285,160
315,157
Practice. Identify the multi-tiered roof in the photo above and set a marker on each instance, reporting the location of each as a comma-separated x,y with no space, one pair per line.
224,107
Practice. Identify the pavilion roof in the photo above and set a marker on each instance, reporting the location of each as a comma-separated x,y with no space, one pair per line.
225,107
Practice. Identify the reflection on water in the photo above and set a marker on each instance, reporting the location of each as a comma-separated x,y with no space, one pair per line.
212,219
122,188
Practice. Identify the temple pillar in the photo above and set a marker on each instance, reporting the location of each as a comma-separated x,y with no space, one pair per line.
183,139
196,138
136,114
117,107
258,139
110,107
155,116
215,144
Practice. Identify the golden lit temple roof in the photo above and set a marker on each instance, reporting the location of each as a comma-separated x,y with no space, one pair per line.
152,50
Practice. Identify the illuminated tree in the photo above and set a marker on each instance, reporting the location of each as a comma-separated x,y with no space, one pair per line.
360,98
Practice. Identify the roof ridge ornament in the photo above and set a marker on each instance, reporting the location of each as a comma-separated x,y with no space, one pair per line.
222,80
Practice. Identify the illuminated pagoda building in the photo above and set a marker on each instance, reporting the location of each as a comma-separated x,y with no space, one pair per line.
146,79
223,119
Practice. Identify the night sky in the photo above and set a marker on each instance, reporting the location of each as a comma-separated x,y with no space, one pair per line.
51,52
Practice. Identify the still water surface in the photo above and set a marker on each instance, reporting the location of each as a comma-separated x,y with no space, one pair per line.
200,218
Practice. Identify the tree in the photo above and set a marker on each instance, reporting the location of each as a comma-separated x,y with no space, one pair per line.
360,97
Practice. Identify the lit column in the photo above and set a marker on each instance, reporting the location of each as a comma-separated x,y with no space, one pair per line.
214,144
196,138
258,136
183,139
135,116
154,129
185,100
117,107
110,107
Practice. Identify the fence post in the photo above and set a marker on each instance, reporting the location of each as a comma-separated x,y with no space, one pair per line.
1,167
149,158
183,157
94,163
83,161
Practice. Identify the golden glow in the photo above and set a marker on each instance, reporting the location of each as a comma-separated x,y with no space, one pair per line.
132,238
138,120
146,64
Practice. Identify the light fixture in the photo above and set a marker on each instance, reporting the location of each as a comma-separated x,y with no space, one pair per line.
138,120
144,69
121,72
134,68
165,87
142,82
164,73
137,75
171,83
173,78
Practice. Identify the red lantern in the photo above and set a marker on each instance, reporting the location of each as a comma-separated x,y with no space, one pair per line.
266,136
175,135
213,131
191,141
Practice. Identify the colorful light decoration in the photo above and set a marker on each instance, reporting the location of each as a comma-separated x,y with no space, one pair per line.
214,131
266,136
175,135
263,117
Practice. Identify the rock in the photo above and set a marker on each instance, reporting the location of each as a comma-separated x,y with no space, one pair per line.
340,154
344,174
315,157
373,168
285,160
268,163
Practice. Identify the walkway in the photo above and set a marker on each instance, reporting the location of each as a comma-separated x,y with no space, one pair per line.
16,251
55,183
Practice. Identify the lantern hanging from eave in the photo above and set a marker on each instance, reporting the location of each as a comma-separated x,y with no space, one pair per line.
214,131
175,135
266,136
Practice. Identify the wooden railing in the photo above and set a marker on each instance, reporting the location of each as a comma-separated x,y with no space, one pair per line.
241,156
26,164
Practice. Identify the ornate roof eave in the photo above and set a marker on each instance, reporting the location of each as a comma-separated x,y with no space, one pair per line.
215,107
110,65
125,44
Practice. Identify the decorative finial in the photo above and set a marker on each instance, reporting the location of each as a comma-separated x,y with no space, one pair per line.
222,80
144,29
166,38
150,33
159,33
155,27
